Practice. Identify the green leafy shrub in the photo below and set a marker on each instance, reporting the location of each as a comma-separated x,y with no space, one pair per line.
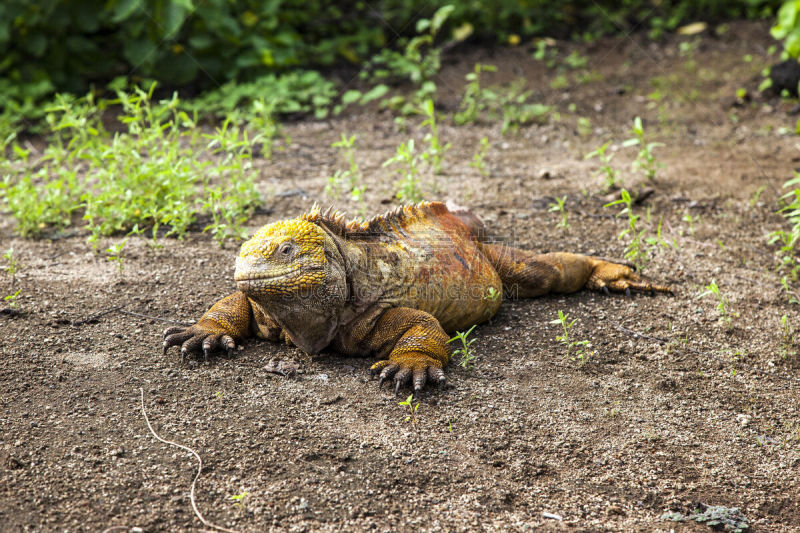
508,104
788,239
302,91
787,27
151,176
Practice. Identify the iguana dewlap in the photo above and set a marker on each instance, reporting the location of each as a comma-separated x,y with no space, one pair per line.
389,287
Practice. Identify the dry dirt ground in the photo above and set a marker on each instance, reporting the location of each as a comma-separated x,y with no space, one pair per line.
673,408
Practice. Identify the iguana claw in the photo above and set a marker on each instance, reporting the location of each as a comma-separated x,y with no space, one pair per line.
414,371
610,276
196,339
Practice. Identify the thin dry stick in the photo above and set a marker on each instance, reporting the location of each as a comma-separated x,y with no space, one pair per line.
122,310
97,315
196,477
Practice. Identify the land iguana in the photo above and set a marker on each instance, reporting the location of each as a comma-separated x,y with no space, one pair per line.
390,287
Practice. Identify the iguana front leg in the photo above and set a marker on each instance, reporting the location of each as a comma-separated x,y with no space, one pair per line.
411,344
228,320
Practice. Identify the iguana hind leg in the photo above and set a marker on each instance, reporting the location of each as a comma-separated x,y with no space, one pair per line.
526,274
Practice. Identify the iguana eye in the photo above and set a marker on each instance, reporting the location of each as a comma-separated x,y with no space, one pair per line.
285,249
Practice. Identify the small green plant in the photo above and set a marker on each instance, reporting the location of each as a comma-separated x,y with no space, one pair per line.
412,410
645,159
691,221
611,176
408,160
788,342
240,500
11,299
757,195
788,239
575,60
435,153
584,125
726,315
344,179
636,250
12,266
559,82
516,110
560,207
467,356
264,126
492,294
115,253
477,99
791,295
11,269
509,104
577,350
479,157
546,51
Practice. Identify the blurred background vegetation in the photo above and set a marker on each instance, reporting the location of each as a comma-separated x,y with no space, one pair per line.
50,46
124,117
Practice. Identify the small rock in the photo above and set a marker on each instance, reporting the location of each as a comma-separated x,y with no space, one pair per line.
615,510
12,463
329,400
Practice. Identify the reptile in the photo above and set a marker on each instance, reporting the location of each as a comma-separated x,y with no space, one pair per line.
391,287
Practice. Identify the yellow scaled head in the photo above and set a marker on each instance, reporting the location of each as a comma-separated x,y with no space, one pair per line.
282,259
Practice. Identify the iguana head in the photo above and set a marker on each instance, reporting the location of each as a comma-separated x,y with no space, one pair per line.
294,270
282,258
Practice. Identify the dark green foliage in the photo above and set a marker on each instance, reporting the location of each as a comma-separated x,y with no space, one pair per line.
70,46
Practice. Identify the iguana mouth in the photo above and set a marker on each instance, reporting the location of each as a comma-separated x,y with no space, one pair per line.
261,275
258,275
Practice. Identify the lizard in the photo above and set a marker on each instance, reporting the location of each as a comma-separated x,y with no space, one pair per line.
392,287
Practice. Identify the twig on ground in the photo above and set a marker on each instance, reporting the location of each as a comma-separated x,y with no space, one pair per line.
97,315
636,334
120,309
196,477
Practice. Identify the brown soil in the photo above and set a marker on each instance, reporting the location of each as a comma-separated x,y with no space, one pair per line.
672,409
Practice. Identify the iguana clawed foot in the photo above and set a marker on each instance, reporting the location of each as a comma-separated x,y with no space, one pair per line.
406,367
615,277
196,338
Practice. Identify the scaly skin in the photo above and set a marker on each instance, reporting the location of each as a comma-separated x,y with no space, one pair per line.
390,287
